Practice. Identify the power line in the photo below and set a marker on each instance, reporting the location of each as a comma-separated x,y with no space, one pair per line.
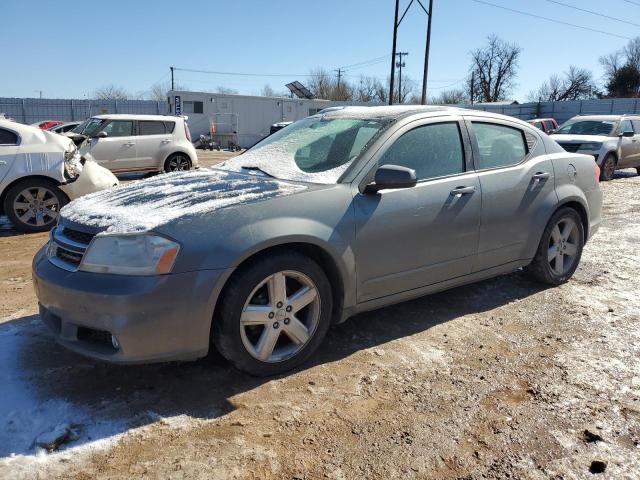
593,13
632,3
371,60
483,2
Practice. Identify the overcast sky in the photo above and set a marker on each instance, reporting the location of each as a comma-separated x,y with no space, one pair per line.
67,50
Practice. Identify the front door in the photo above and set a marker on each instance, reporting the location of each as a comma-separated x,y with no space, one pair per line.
518,191
116,151
8,150
154,137
409,238
629,146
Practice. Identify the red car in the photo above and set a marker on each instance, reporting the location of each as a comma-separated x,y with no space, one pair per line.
547,125
47,124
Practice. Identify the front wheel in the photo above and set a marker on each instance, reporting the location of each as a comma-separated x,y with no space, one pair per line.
33,205
608,168
273,314
177,162
560,248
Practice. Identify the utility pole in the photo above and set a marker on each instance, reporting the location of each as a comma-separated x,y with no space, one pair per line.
399,65
339,72
426,53
393,53
473,86
172,84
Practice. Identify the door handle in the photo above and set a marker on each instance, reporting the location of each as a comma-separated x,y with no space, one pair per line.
129,144
459,191
165,141
541,176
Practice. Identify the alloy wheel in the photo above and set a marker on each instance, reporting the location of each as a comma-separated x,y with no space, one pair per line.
36,206
178,163
563,246
280,316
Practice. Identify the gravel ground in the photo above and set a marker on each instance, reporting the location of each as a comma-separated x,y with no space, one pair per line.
500,379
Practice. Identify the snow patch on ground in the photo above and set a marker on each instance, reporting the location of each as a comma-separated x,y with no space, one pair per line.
142,205
24,417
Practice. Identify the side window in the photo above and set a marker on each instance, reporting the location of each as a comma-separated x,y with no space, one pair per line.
169,126
626,126
499,145
431,150
636,126
193,107
7,137
119,128
539,126
146,127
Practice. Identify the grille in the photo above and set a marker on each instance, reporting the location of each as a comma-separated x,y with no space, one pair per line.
570,147
78,236
68,256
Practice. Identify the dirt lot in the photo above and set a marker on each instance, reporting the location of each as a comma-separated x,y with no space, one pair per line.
501,379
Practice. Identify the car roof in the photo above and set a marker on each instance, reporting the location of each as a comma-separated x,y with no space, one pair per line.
548,119
132,116
395,112
609,118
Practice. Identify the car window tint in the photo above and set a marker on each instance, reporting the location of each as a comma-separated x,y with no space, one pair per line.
431,150
499,145
119,128
8,137
146,127
169,126
626,126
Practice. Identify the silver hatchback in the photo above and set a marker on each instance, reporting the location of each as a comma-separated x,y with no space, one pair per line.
336,214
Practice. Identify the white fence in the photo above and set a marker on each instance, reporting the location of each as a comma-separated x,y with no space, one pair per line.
563,111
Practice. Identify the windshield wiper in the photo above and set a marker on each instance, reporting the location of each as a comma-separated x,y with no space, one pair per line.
253,167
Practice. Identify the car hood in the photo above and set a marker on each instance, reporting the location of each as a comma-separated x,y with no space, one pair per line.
144,205
580,138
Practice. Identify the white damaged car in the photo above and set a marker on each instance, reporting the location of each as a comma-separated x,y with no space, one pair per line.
40,172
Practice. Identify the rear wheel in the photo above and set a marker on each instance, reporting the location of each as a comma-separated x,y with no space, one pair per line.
177,162
273,314
560,248
33,205
608,167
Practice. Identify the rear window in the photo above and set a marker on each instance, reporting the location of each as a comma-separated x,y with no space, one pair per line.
146,127
499,145
7,137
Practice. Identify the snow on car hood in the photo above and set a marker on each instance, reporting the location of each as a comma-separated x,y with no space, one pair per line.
580,138
146,204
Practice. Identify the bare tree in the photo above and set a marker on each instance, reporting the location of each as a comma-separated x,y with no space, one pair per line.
111,92
622,71
455,96
576,84
494,69
407,91
160,91
267,91
382,91
227,90
365,89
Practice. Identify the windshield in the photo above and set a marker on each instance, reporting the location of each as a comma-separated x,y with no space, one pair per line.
89,127
587,127
316,149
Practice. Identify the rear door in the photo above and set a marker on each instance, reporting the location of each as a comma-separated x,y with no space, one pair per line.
9,144
154,136
116,151
414,237
518,190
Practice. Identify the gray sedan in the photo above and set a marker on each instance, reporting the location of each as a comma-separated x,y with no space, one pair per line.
336,214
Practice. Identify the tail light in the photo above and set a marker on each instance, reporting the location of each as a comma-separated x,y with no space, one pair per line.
187,132
596,171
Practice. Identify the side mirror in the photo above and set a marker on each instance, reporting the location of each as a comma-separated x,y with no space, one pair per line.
628,133
102,134
392,176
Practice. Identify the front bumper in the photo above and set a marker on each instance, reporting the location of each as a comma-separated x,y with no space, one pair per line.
153,318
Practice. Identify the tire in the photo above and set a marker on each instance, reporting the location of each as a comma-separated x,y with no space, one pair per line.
552,263
262,343
177,162
33,205
609,165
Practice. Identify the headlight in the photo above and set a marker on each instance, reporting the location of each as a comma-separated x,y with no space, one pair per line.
590,146
72,162
144,254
